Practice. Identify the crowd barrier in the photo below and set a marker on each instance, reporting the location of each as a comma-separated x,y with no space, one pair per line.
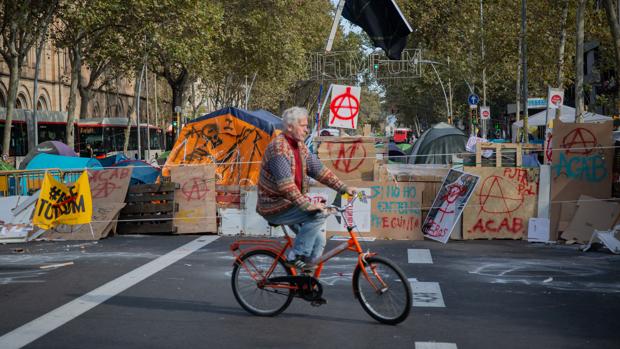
26,182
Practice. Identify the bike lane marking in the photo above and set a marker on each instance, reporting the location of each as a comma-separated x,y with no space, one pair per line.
46,323
419,256
426,294
434,345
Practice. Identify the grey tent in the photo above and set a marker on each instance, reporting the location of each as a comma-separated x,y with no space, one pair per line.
437,144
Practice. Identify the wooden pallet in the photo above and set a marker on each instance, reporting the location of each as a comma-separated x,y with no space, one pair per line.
150,209
501,149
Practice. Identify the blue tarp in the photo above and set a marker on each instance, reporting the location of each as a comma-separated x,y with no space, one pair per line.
112,160
142,172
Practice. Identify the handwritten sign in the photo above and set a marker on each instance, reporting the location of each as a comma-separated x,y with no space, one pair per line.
502,203
582,164
396,210
195,197
109,185
450,201
392,211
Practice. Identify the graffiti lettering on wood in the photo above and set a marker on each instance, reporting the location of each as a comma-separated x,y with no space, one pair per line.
109,184
396,210
504,201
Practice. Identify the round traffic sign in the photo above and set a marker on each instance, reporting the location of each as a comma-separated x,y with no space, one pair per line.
556,99
473,99
486,114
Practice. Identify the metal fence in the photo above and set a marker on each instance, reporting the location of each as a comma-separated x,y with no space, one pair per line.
26,182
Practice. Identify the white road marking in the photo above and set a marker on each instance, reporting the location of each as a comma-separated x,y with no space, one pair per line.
39,327
434,345
419,256
426,294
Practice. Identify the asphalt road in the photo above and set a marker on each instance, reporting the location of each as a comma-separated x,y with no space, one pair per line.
474,294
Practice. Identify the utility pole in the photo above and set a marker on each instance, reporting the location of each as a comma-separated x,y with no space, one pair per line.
579,104
524,55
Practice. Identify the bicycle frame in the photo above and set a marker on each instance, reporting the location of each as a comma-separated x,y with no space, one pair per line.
278,248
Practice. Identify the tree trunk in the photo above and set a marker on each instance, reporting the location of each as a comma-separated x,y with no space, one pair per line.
612,20
579,105
560,81
85,96
14,75
76,64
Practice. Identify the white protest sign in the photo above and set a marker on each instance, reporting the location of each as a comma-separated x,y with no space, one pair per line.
345,106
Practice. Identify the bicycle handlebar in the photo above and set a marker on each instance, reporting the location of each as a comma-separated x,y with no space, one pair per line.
361,195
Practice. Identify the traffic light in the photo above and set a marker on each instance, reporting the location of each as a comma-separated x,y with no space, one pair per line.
174,123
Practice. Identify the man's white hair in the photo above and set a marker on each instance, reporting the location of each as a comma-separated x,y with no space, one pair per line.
291,116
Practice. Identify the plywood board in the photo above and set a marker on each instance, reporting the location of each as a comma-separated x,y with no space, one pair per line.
352,158
109,185
195,197
104,221
396,210
591,214
504,200
582,164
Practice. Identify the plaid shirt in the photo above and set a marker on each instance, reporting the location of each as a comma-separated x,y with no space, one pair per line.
277,191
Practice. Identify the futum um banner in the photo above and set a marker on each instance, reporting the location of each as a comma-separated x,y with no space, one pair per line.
62,204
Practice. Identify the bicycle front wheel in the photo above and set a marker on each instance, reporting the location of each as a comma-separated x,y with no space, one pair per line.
250,286
383,290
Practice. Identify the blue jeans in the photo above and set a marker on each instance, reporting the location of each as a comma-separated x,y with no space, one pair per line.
308,228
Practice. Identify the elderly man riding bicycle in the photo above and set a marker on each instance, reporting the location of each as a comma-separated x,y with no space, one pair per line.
284,180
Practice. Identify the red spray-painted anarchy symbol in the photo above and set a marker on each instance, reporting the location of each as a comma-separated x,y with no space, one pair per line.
579,141
494,199
195,189
349,158
103,189
343,103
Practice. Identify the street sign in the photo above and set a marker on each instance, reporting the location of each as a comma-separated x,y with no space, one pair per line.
473,99
556,98
178,109
345,106
485,113
536,103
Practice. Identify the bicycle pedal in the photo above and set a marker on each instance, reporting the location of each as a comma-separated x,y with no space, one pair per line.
318,302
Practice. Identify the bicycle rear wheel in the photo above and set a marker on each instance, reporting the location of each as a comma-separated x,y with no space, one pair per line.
250,286
383,291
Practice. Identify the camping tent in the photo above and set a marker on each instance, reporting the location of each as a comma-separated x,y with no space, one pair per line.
48,147
67,163
437,144
142,172
45,161
232,138
567,115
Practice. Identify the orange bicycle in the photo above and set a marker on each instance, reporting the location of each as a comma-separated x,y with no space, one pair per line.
264,286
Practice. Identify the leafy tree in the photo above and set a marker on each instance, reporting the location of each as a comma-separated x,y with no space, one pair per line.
88,29
22,24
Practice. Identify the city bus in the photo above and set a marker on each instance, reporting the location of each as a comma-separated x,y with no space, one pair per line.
106,137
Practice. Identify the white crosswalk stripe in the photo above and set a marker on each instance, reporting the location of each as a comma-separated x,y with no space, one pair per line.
426,294
434,345
419,256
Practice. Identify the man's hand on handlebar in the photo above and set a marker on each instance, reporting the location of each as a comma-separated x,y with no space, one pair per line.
352,191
